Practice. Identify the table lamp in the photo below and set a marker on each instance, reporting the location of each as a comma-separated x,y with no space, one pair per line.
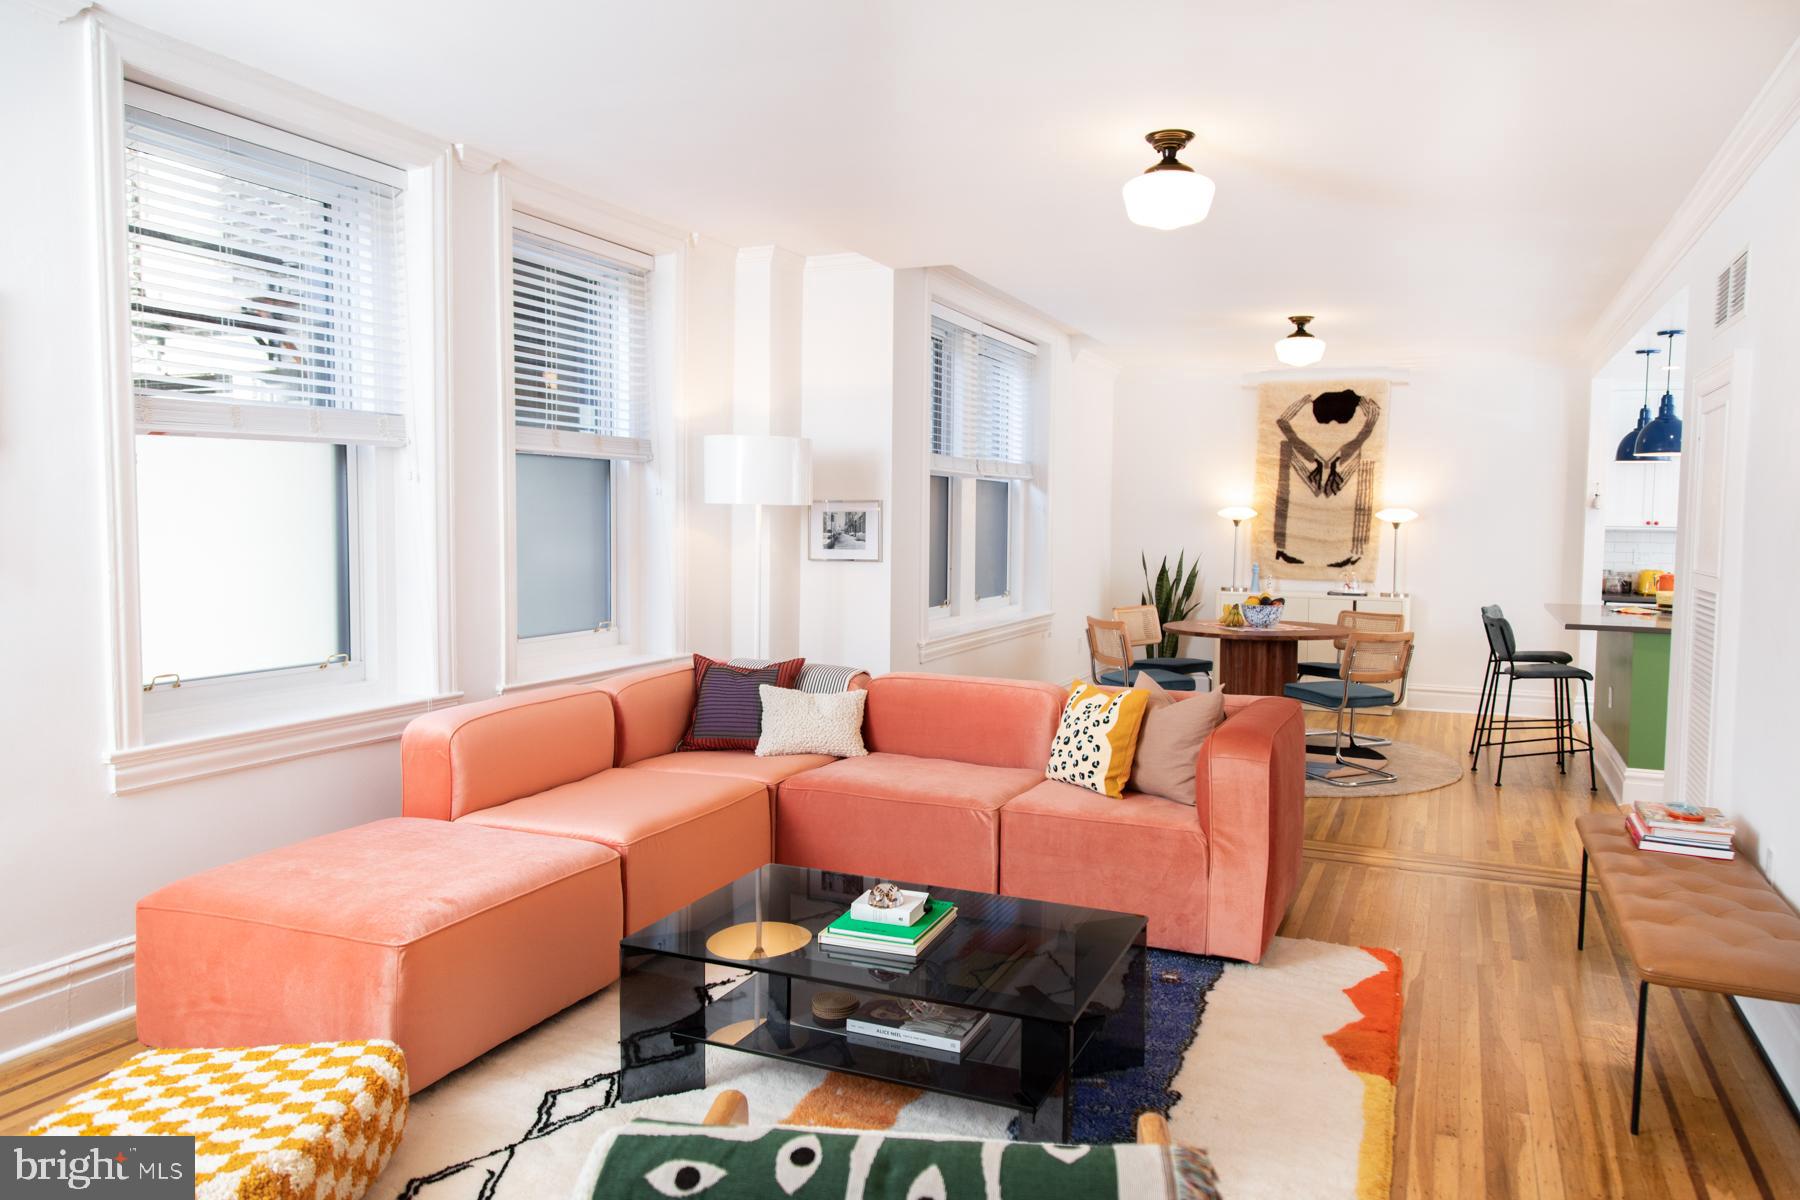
760,470
1395,517
1237,514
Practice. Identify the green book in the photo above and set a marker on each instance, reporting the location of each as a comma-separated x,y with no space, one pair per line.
934,913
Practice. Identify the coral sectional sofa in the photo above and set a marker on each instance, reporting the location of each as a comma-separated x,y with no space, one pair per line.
540,827
951,793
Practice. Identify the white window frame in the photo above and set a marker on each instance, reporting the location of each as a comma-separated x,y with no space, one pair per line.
965,611
647,584
401,549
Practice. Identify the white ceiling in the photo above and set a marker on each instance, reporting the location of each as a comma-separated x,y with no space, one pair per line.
1429,178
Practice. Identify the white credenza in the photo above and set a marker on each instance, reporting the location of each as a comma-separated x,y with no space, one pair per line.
1320,607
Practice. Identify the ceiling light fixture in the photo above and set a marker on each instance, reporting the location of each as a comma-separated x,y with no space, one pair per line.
1170,193
1300,348
1661,438
1628,444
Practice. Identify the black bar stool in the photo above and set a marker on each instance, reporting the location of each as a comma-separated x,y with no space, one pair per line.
1490,683
1507,662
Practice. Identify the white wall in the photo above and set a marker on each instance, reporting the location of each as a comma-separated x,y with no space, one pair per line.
847,391
74,857
1489,453
1758,656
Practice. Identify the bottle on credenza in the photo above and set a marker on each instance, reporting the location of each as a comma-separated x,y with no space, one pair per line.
1255,576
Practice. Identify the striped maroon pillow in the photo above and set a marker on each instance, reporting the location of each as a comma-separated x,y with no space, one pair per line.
727,706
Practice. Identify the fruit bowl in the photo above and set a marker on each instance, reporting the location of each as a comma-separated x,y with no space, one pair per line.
1263,616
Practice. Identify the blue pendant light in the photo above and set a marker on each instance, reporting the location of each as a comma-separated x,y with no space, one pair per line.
1628,443
1661,438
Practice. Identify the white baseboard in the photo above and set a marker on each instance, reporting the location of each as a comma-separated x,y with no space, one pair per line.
1445,697
1629,785
66,997
1776,1028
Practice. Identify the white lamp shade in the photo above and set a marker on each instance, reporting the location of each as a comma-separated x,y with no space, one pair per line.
1238,512
1396,516
1165,199
1300,351
757,469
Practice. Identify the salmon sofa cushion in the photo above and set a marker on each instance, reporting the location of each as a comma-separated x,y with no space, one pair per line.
680,835
922,820
987,722
1133,853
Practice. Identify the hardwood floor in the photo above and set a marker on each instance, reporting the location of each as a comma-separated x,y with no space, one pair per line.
1515,1069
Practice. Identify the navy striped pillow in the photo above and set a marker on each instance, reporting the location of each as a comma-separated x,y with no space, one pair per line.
727,705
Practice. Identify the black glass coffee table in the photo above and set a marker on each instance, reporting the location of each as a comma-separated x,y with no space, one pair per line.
1064,988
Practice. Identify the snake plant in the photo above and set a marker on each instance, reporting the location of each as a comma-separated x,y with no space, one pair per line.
1172,594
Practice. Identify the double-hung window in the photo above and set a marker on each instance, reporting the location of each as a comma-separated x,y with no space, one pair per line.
982,381
267,332
580,397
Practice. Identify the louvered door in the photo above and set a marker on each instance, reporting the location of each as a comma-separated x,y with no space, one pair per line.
1701,589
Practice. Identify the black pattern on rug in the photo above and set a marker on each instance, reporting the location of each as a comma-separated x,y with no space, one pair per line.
1106,1106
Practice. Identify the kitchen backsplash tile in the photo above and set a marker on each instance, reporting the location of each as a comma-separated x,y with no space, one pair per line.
1637,549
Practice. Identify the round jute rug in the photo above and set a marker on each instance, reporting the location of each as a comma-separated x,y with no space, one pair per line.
1419,769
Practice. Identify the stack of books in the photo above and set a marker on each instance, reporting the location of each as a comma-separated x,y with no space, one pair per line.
882,937
1680,829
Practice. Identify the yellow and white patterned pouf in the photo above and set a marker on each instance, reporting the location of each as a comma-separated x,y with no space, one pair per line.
313,1122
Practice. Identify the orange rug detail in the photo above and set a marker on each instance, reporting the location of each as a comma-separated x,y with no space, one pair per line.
852,1102
1370,1046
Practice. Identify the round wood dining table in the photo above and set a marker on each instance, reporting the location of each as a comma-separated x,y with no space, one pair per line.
1257,662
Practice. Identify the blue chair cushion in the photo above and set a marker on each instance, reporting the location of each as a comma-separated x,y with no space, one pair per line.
1181,666
1323,670
1169,680
1543,656
1549,671
1329,693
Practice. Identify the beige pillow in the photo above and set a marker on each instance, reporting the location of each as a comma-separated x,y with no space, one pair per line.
1169,742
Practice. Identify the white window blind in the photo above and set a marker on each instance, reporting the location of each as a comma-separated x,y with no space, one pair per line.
981,382
267,295
580,344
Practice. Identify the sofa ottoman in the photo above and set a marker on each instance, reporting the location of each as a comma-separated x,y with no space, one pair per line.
443,937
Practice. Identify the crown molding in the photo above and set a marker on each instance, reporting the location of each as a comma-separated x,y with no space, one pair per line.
1758,131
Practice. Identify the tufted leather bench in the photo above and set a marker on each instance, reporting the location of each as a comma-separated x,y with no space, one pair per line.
1717,926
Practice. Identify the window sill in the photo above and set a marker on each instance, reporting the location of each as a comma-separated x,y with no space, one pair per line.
144,767
598,671
973,633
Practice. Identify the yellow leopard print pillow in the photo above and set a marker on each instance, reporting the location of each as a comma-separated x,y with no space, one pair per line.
1096,738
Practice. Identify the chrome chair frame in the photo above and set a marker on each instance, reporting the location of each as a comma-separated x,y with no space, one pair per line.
1350,674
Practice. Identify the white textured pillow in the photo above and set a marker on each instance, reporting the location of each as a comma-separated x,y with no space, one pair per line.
795,722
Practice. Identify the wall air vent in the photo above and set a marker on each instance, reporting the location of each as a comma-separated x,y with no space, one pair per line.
1728,298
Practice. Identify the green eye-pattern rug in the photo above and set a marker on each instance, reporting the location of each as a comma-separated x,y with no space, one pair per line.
1283,1072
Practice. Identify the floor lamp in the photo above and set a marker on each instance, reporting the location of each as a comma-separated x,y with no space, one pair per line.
1237,514
760,470
1395,517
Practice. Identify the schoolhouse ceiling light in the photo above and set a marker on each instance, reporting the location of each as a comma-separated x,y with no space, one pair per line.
1169,194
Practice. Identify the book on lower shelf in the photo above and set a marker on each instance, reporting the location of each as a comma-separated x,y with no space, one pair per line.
1708,837
912,1023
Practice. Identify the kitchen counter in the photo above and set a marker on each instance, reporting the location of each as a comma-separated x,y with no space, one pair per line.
1601,619
1631,679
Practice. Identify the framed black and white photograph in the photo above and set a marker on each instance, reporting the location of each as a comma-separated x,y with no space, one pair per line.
846,530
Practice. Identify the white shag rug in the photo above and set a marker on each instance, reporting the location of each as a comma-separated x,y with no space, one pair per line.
1288,1083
